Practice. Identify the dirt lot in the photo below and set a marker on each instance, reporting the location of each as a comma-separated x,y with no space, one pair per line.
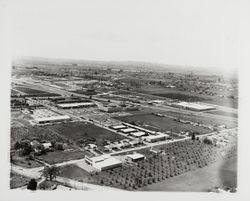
162,123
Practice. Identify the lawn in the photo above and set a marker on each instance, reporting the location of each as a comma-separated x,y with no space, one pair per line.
162,123
17,180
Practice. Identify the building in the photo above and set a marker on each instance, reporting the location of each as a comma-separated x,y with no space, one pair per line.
135,157
103,162
51,119
128,130
75,105
110,107
117,127
155,138
195,106
138,134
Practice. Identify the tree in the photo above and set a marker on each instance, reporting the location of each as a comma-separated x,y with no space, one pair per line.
51,172
26,146
193,136
17,145
32,185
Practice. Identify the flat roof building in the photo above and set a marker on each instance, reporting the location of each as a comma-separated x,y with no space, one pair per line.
135,157
138,134
103,162
51,119
196,106
117,127
75,105
128,130
155,138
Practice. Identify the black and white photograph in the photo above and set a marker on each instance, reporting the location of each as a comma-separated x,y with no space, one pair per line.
123,96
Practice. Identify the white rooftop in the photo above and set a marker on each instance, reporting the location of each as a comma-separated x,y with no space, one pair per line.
107,163
135,156
118,126
138,134
195,105
75,104
127,130
52,118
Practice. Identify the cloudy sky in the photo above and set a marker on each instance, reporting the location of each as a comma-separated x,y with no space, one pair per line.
193,32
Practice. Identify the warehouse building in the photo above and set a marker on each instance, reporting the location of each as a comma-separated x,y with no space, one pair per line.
103,162
51,119
135,157
138,134
155,138
195,106
75,105
128,130
117,127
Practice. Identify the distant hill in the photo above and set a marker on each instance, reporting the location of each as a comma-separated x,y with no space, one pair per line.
124,65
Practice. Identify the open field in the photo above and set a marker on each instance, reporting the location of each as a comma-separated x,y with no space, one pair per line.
223,113
85,132
162,123
29,90
220,174
17,180
19,119
61,156
33,92
188,96
195,118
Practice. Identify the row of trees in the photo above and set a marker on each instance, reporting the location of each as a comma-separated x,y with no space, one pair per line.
179,157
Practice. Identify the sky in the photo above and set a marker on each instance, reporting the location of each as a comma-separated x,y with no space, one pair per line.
194,32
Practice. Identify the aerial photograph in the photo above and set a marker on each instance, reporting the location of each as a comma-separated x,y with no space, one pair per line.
124,96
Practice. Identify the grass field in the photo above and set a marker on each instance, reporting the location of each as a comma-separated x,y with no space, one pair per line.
162,123
74,172
220,174
61,156
78,131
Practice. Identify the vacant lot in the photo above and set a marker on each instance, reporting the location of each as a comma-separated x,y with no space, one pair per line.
161,123
220,174
85,132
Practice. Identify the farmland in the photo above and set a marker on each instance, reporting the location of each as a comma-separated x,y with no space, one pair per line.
83,133
220,174
161,123
33,92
